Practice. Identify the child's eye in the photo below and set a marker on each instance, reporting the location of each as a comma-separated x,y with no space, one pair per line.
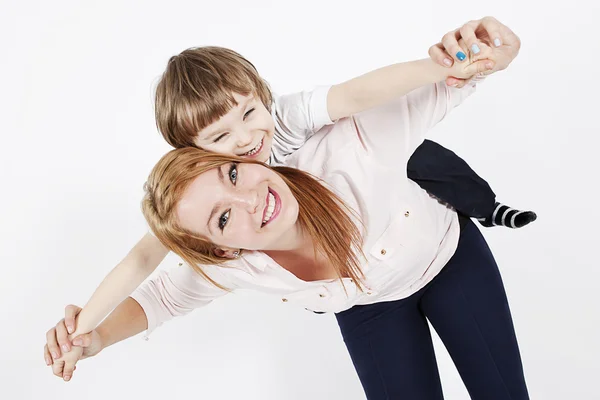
223,220
221,136
233,173
250,111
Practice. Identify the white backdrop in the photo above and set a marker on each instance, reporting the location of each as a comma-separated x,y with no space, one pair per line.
78,140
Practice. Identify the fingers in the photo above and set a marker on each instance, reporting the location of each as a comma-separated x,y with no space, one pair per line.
83,340
450,43
467,34
494,30
62,336
57,368
47,356
508,38
480,67
455,82
52,344
439,55
71,312
68,371
494,33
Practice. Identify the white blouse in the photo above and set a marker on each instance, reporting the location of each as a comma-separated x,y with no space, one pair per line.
408,238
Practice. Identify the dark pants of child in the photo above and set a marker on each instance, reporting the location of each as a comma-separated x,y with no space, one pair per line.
449,178
390,342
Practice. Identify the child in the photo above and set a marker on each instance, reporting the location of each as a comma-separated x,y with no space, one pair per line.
214,99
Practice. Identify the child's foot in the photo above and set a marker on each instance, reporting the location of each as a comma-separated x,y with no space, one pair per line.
505,216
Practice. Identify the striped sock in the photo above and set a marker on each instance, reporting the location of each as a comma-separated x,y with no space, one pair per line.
504,215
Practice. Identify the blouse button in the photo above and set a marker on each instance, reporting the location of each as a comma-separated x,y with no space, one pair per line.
383,251
180,264
406,214
284,300
369,293
321,295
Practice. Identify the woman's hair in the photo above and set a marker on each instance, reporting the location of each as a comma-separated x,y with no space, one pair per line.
196,90
322,214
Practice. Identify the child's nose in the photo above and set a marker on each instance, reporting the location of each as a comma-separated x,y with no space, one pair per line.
244,138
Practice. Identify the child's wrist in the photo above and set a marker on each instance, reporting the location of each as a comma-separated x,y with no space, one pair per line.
439,72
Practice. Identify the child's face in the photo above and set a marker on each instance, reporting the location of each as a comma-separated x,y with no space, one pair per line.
240,206
246,130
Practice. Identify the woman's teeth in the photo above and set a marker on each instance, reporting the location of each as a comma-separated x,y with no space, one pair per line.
254,150
270,208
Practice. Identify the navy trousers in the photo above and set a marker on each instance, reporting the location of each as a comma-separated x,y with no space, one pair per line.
449,178
390,342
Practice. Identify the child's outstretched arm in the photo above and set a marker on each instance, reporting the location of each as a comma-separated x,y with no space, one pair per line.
382,85
139,263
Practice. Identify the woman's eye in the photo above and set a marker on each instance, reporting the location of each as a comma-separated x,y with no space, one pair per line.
250,111
223,220
222,136
233,173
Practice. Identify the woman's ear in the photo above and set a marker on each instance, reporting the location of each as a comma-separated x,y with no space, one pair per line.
226,253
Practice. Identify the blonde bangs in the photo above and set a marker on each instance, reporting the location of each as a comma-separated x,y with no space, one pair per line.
197,89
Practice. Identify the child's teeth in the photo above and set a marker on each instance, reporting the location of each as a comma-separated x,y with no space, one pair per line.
255,150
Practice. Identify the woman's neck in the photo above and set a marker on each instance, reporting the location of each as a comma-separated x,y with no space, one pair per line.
303,261
296,243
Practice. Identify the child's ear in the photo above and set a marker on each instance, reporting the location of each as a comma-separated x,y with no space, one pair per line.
226,253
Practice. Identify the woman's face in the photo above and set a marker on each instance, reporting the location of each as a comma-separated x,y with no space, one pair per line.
240,206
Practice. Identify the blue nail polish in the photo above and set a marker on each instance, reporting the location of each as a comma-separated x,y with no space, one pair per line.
475,48
461,56
497,42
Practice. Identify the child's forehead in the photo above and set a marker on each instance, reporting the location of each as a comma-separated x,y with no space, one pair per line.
241,97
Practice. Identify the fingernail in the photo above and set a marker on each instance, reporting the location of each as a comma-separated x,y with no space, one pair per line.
65,347
489,65
77,342
475,48
48,362
461,56
497,42
54,355
70,329
448,62
67,378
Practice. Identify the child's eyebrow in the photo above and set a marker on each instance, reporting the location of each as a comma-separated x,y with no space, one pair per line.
249,100
241,107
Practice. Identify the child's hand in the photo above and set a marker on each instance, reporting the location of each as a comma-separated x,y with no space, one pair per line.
487,31
482,63
64,366
57,338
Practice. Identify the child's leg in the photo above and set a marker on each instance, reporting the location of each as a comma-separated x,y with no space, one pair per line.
449,178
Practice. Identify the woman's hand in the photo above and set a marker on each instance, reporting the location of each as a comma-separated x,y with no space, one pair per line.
64,361
488,32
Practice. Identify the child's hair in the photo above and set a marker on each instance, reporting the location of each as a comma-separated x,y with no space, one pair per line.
322,214
196,90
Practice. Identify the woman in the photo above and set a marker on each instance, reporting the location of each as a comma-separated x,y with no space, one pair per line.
367,244
380,252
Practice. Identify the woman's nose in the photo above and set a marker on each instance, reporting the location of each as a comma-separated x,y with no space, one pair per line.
248,199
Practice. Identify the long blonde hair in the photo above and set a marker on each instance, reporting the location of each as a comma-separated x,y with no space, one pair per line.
322,214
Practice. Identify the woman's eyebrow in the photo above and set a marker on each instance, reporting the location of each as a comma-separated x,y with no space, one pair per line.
218,204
